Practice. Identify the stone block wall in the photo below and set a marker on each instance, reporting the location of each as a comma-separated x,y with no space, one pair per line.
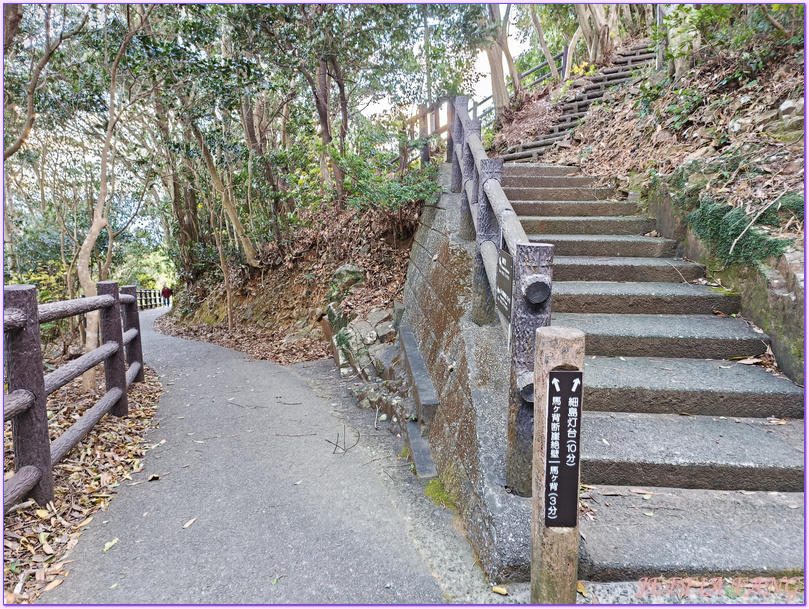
468,366
772,293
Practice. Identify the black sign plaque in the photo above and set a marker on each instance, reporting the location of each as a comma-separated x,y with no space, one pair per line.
562,435
505,282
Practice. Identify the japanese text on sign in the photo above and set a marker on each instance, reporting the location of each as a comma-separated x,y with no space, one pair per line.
562,454
505,282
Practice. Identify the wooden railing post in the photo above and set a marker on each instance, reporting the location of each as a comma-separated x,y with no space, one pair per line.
450,132
565,59
111,331
134,350
487,230
530,309
466,229
24,360
556,465
425,148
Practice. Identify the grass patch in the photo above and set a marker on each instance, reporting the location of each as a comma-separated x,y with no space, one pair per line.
435,491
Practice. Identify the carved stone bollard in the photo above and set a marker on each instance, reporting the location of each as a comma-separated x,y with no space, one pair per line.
533,266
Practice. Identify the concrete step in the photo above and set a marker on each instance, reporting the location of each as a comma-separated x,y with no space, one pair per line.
540,181
692,532
577,107
641,297
510,170
691,452
588,225
570,117
640,47
584,193
631,60
621,69
422,388
542,141
601,81
694,386
528,156
608,245
587,268
573,208
687,336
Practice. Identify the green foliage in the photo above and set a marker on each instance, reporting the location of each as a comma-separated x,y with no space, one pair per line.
720,225
688,102
742,29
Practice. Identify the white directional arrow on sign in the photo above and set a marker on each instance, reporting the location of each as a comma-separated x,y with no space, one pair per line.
576,383
555,383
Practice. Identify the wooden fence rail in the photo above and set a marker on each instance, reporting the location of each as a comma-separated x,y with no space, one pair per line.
428,119
28,386
148,299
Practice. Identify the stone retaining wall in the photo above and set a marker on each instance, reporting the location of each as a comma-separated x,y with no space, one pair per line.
772,293
468,365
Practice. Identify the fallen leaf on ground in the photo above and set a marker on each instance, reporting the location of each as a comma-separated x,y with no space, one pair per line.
53,584
189,523
581,589
113,586
605,441
648,513
46,547
109,544
500,590
43,513
154,477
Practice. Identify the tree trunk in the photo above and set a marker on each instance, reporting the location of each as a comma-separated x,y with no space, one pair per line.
12,15
545,50
230,209
573,42
500,98
257,147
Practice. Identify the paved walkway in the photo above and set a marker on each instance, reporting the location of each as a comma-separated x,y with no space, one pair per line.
279,518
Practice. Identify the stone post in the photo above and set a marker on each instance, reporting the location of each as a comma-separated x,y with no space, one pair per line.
530,309
469,172
488,230
460,113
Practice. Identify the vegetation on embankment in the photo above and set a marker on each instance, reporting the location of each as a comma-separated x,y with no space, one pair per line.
726,137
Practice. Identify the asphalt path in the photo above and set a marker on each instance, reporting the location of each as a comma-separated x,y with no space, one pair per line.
279,514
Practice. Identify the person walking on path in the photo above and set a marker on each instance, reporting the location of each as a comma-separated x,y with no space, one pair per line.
166,294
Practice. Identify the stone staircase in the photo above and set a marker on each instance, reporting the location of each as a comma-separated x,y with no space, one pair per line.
586,91
718,445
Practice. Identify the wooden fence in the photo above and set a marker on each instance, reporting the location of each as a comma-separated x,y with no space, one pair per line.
29,387
148,299
428,119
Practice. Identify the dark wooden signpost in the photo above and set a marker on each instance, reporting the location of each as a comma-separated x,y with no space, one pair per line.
505,282
562,448
558,365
